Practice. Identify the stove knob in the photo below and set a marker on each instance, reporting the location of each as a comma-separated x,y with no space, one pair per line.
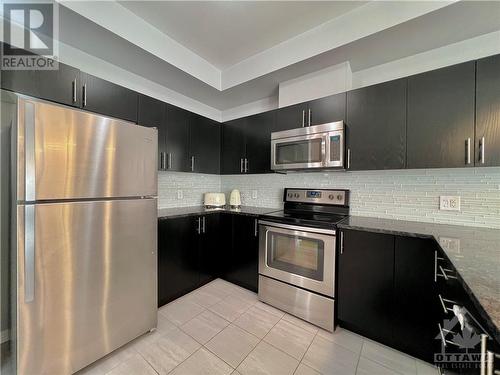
296,195
339,197
331,196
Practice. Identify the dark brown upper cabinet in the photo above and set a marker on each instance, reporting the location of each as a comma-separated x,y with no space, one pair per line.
441,118
151,113
233,146
178,139
204,147
488,112
319,111
376,126
258,142
107,98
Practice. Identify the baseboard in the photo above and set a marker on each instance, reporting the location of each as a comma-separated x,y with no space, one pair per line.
5,335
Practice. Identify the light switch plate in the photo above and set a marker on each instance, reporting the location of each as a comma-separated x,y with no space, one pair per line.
180,195
449,202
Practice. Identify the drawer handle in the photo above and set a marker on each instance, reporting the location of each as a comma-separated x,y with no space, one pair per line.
445,308
443,332
444,274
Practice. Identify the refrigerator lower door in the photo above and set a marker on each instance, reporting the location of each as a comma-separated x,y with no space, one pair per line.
86,281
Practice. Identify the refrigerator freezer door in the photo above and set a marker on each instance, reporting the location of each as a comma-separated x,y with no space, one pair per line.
86,281
65,153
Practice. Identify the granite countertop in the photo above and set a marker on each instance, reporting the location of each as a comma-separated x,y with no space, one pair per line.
474,252
199,210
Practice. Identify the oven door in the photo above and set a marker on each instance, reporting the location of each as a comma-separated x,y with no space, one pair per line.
300,256
305,151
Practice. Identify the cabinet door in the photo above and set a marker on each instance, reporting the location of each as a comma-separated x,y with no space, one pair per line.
415,300
178,138
233,146
376,126
244,270
210,250
61,85
441,117
327,109
291,117
258,142
205,144
107,98
365,284
488,112
177,258
151,113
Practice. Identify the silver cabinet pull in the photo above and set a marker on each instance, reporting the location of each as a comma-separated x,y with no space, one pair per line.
443,300
468,150
256,228
482,363
309,117
246,165
204,225
198,230
435,265
74,90
348,158
303,118
341,242
482,146
444,275
241,165
29,253
443,332
192,163
84,95
162,160
169,160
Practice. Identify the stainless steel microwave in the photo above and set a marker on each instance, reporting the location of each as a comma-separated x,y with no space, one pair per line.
312,147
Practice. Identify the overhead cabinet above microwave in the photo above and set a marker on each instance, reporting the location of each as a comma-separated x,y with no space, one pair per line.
313,147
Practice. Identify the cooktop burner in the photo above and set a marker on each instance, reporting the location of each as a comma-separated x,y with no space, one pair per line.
323,208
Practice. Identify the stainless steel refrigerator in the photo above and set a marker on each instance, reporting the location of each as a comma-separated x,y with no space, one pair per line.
84,239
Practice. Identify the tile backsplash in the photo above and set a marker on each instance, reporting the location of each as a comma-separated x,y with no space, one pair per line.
397,194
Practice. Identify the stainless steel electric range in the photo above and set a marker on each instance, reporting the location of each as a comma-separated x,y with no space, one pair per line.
297,254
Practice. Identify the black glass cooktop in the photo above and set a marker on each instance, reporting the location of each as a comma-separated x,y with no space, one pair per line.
312,219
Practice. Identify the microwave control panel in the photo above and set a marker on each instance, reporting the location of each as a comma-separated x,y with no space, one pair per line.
317,196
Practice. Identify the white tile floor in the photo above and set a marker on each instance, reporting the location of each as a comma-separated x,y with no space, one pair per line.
223,329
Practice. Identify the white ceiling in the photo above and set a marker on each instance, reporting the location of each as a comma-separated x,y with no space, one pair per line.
225,32
212,56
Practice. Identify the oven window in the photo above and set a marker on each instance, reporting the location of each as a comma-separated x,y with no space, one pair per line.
298,255
307,151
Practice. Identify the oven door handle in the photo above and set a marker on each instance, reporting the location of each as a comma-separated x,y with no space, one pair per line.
298,228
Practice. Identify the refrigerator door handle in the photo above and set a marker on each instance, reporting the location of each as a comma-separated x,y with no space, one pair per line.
29,253
29,151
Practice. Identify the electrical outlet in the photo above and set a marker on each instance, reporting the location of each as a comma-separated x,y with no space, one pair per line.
450,244
449,203
254,194
180,195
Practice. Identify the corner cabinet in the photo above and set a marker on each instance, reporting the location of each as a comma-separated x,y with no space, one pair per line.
488,112
205,138
441,117
376,127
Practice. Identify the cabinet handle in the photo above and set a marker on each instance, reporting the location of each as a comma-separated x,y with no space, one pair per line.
192,163
204,225
309,117
468,150
348,158
341,243
482,146
482,363
303,118
246,165
443,300
74,90
443,338
198,230
241,165
162,160
84,95
169,160
256,227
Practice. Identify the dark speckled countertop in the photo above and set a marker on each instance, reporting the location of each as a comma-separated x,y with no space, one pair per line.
474,252
199,210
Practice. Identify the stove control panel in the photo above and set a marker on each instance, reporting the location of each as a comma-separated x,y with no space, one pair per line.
317,196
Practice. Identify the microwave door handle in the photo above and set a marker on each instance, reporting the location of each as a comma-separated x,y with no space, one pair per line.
325,150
